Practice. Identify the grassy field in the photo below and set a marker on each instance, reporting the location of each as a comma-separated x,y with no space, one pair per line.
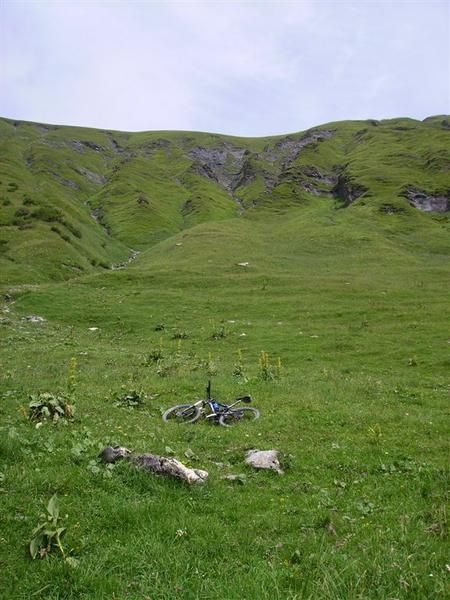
351,306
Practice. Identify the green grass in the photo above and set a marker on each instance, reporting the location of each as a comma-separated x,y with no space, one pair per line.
354,301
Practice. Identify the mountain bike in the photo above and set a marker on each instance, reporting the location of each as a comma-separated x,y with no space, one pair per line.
212,410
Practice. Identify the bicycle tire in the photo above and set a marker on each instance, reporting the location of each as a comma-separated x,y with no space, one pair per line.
234,415
182,413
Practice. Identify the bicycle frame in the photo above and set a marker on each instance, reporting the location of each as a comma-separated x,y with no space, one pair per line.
216,408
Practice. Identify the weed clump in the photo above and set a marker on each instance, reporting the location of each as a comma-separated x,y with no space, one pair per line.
46,406
210,365
375,434
267,371
48,534
219,334
129,399
238,369
155,355
180,335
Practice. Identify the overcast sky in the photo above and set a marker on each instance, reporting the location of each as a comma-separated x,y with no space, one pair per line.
244,68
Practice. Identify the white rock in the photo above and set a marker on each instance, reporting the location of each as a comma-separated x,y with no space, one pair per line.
33,319
264,459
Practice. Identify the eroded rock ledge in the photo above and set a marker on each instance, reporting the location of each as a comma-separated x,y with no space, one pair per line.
438,203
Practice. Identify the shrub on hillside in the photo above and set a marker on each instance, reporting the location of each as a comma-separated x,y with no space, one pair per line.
22,212
48,213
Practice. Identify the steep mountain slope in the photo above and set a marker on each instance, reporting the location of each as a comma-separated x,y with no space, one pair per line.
77,200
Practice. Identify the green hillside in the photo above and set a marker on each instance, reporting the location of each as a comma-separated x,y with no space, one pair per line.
311,271
78,200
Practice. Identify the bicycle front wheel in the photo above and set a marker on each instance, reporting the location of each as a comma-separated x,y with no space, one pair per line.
182,413
234,415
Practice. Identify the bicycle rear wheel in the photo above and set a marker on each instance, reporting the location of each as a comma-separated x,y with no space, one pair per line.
182,413
234,415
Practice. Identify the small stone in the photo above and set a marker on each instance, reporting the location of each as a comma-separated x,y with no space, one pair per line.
239,478
33,319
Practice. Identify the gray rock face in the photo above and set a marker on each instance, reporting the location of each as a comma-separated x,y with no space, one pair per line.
264,459
291,148
74,145
231,167
95,178
222,164
347,190
439,203
92,146
64,181
313,181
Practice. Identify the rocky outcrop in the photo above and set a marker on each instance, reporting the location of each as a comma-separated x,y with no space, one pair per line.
92,177
314,181
64,181
98,215
115,146
74,145
288,148
231,167
347,190
438,203
92,146
149,148
118,266
222,164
